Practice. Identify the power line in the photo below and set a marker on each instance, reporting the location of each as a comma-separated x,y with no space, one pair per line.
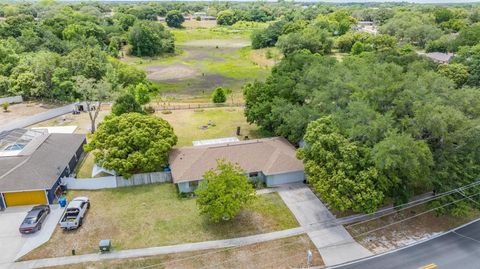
299,241
416,215
218,251
391,210
343,241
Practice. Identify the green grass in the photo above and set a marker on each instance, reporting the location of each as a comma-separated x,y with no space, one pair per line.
219,32
233,64
154,215
85,167
186,124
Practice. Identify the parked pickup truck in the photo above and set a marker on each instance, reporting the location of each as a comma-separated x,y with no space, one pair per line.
73,216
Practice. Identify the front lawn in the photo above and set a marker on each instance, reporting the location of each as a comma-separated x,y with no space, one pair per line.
154,215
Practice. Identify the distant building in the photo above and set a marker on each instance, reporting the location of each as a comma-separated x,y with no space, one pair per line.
438,57
270,160
366,27
203,16
32,162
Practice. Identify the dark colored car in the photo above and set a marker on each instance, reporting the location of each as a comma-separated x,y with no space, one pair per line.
34,219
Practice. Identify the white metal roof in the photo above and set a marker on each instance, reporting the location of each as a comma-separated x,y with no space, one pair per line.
215,141
58,129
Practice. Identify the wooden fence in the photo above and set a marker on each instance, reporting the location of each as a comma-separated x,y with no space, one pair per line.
116,181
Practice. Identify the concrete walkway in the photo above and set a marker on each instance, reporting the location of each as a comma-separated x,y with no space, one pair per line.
133,253
332,240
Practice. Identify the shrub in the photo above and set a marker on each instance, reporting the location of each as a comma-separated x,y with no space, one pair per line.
5,106
219,95
166,112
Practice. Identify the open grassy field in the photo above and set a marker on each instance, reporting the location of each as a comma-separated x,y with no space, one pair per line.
187,123
154,215
282,253
206,58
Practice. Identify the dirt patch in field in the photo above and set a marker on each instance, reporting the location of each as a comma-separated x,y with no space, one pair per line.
221,43
82,120
193,24
205,82
200,54
18,111
171,72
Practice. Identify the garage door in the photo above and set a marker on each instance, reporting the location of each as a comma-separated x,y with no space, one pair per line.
25,198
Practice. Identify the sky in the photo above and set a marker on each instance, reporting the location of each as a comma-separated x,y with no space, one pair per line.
321,1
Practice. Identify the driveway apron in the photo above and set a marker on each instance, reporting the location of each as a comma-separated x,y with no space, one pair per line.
333,241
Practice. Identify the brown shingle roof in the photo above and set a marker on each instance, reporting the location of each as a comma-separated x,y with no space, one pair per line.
269,155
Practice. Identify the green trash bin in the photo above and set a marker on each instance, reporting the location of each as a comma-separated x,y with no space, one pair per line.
105,245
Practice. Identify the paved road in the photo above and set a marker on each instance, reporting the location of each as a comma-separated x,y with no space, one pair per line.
459,249
331,239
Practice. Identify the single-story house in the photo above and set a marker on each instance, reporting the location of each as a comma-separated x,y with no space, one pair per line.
270,160
32,162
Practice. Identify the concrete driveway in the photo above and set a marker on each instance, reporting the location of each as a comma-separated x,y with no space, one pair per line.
332,240
13,244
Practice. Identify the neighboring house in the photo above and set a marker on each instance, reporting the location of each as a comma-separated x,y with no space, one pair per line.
203,16
32,162
438,57
270,160
366,26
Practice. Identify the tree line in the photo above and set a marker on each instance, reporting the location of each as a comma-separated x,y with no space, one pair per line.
375,126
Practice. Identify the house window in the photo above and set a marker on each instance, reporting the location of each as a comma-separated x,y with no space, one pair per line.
193,184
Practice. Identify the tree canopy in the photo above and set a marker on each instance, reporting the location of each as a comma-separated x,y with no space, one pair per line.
389,119
132,143
224,191
174,19
150,39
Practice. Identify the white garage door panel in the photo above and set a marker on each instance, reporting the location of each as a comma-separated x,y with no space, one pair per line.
279,179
